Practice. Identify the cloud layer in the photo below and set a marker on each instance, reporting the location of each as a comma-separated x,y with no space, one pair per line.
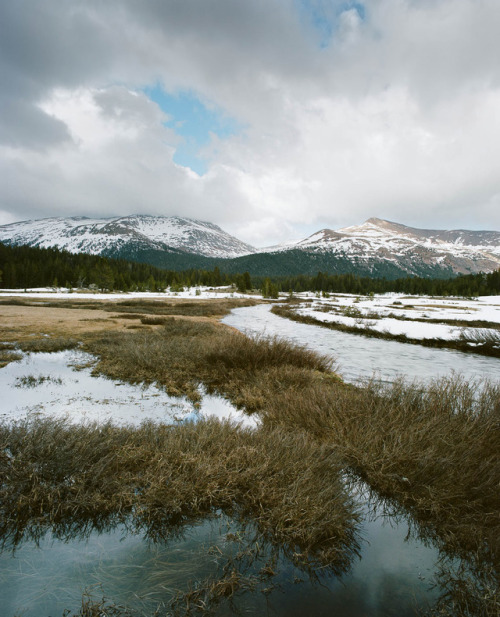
345,111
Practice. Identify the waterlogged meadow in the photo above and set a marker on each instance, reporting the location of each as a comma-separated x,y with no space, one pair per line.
469,325
332,498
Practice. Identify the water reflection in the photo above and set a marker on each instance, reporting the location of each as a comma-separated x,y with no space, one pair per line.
209,559
62,384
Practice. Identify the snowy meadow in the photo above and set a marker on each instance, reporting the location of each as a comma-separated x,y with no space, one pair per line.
175,464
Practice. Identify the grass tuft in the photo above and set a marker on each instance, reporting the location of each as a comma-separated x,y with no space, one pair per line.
434,449
49,345
183,354
64,477
8,355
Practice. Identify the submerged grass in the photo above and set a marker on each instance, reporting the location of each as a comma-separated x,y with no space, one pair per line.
32,381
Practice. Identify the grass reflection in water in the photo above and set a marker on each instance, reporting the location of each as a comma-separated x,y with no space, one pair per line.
158,480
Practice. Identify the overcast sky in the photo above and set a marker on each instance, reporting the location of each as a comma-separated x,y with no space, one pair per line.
270,118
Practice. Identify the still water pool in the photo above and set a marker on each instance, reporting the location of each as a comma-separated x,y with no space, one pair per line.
393,575
62,385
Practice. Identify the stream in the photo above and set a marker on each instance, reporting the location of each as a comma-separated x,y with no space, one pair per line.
360,357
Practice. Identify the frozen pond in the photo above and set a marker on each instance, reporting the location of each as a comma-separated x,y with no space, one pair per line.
359,357
61,384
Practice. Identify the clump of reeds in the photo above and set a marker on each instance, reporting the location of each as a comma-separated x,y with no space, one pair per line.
484,338
32,381
433,448
49,344
259,352
65,477
14,302
198,308
184,354
155,321
9,355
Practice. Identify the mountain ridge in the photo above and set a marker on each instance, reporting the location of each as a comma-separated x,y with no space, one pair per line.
110,235
378,240
375,248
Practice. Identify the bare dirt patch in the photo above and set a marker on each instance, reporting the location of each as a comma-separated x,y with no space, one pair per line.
21,323
22,320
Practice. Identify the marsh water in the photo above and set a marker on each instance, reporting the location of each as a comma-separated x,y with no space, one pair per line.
394,573
361,357
62,384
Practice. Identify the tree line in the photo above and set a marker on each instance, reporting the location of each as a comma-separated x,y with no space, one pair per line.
23,267
469,285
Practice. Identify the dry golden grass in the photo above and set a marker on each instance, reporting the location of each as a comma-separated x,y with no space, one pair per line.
181,355
28,320
435,449
58,476
8,355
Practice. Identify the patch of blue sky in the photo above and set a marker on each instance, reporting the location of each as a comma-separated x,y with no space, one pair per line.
194,120
324,15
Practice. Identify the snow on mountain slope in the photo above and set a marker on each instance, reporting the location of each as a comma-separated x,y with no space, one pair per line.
97,236
461,251
377,246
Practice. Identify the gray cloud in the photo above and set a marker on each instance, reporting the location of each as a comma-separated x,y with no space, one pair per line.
25,125
399,116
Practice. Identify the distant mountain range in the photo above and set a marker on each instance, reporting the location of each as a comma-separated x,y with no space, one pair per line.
113,235
376,248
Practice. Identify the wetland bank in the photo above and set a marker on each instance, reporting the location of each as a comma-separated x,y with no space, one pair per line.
286,492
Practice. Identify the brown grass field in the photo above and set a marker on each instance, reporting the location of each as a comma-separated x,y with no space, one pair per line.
432,452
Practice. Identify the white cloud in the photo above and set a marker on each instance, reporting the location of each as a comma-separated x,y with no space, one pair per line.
398,117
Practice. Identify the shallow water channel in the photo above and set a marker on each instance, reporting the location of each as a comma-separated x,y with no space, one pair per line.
361,357
393,575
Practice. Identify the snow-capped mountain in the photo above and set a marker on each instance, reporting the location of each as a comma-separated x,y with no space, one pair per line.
376,248
412,250
126,236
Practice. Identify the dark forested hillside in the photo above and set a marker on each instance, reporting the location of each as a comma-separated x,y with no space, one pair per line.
284,263
297,262
23,266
